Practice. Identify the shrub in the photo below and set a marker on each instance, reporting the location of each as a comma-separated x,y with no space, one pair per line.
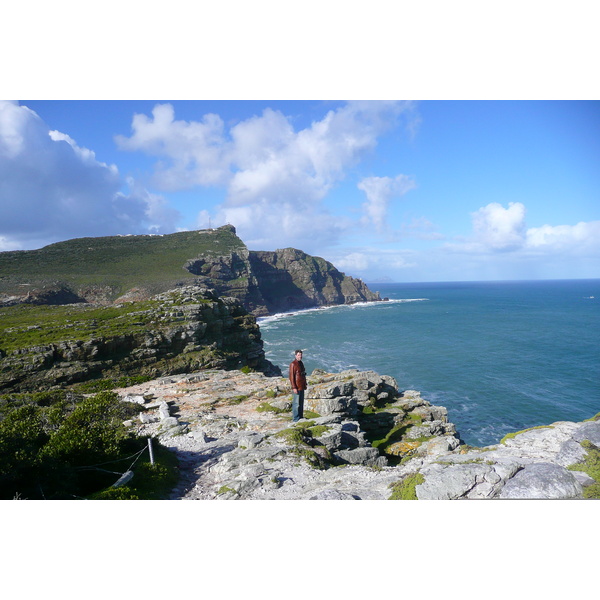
57,445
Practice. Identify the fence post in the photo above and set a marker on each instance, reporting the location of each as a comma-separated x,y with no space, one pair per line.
151,451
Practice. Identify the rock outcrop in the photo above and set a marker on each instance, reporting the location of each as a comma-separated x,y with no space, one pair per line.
234,439
280,281
179,331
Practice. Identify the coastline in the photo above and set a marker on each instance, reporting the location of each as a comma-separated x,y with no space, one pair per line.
500,358
291,313
233,435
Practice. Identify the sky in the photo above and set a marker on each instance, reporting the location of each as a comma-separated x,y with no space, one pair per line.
427,141
390,190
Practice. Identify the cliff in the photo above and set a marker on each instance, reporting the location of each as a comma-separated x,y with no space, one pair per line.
234,439
183,330
123,268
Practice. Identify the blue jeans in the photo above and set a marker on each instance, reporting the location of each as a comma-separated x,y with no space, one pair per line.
298,405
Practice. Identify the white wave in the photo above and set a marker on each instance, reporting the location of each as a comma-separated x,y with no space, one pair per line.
293,313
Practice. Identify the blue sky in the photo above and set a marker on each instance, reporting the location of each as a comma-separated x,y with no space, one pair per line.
396,190
468,147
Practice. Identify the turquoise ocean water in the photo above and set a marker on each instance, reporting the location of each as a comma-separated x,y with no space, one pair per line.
500,356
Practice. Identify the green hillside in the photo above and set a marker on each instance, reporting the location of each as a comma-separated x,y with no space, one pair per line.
118,262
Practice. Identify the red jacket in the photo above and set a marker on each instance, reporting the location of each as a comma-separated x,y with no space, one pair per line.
297,375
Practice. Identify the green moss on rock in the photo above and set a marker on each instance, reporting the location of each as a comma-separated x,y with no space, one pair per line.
406,488
591,466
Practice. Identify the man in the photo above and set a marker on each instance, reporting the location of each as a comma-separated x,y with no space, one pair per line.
298,381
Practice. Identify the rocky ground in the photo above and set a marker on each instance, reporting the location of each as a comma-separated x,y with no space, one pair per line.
234,438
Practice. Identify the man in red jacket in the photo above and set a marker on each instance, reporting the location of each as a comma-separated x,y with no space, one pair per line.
298,381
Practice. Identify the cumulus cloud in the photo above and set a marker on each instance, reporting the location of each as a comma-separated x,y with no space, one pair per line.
52,189
499,228
274,176
196,152
266,225
379,192
581,237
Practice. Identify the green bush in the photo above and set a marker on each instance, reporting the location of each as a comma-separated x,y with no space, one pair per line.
93,431
56,445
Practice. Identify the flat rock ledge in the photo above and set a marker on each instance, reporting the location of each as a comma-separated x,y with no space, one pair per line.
233,435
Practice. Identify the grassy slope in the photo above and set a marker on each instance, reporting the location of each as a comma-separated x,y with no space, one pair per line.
68,323
121,261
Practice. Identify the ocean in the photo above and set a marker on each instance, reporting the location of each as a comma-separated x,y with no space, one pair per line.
500,356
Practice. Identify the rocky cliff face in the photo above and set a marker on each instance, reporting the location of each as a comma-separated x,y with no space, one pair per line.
182,330
279,281
290,279
116,269
234,439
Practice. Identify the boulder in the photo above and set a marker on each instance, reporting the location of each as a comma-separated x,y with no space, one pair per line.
539,481
328,406
368,456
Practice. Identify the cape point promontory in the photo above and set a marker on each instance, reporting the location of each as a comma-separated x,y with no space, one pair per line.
146,350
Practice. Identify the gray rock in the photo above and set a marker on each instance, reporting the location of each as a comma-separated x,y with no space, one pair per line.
148,417
168,423
330,390
331,440
135,399
200,436
430,429
452,482
588,431
250,440
539,481
583,478
169,430
284,405
360,456
329,494
439,446
328,406
351,426
570,453
163,411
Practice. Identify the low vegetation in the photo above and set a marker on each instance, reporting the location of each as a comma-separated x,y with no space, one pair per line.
61,445
115,263
300,437
591,466
509,436
25,326
406,488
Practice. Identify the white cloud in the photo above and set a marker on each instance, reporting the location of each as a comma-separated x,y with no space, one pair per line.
367,261
198,152
502,245
503,229
499,228
52,189
264,225
274,176
379,192
581,237
354,262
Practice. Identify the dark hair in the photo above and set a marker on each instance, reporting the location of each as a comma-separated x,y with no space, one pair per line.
296,351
